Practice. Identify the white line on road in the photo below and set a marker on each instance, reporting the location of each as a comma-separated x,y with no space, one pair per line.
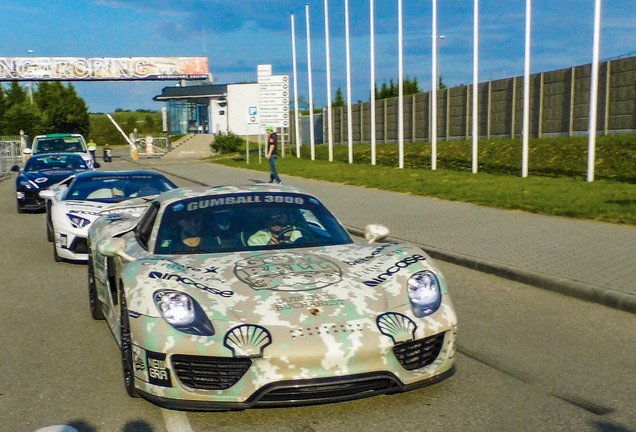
176,421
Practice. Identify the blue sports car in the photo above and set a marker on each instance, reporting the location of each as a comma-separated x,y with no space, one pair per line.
40,172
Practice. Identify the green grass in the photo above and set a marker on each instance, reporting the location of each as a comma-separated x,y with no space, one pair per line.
554,192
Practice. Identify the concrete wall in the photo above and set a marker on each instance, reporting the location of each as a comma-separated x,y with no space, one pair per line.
559,106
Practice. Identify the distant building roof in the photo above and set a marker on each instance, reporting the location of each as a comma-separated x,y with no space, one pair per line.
192,92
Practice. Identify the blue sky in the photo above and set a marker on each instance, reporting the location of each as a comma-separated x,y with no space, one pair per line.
237,35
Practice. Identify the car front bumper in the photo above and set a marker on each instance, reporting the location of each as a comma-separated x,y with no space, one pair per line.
203,374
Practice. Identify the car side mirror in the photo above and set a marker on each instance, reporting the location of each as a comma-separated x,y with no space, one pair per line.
15,168
375,232
47,194
114,247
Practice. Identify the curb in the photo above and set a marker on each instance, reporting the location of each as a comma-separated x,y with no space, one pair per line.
614,299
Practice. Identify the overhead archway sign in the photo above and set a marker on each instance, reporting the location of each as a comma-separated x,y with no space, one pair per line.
102,68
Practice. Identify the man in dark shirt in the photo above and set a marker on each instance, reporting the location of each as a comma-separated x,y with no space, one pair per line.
272,147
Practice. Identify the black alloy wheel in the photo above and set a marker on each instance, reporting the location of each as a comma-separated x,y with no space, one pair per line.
50,236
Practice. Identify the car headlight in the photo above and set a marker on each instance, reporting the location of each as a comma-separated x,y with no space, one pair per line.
424,292
183,313
76,221
28,184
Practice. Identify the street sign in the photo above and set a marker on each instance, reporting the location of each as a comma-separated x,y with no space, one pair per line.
252,115
273,100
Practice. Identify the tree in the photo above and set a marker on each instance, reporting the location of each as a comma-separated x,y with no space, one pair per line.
338,101
18,113
63,111
22,116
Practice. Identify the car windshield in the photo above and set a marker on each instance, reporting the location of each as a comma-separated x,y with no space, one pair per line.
256,221
56,162
59,145
116,188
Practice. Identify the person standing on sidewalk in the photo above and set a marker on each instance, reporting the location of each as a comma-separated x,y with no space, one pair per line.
272,147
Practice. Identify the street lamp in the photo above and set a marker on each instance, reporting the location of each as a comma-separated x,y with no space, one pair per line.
30,84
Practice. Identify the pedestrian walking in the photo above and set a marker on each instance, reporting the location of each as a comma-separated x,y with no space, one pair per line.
272,148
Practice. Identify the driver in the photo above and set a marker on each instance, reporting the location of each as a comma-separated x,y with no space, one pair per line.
278,230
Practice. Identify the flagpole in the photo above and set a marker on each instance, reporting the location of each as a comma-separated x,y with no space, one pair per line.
312,139
349,115
329,109
296,121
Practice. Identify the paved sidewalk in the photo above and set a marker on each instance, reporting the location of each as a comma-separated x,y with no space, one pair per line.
594,261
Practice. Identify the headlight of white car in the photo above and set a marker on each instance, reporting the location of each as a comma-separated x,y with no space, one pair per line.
183,313
424,292
76,221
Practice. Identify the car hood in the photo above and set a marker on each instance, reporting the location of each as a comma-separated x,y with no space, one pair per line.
46,178
285,286
90,210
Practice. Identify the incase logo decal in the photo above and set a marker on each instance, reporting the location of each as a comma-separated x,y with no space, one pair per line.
188,281
394,269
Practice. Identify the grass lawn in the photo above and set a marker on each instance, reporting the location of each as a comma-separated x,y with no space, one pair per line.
602,200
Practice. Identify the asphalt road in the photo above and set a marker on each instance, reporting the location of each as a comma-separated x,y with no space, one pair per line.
529,360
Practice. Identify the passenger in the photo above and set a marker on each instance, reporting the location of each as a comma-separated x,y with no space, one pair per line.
225,229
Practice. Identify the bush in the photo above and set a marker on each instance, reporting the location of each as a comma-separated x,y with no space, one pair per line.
227,143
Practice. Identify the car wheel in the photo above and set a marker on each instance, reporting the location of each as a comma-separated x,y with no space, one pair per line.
128,365
19,207
56,257
49,225
96,307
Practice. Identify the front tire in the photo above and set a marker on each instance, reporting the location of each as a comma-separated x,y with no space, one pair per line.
50,236
128,365
96,307
56,257
19,207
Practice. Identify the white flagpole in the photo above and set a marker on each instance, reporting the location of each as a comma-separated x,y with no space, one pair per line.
476,87
400,89
329,113
526,93
591,147
349,115
312,139
434,92
372,53
296,121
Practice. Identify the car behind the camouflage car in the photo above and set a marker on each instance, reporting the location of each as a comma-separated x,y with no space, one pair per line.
41,172
75,203
237,296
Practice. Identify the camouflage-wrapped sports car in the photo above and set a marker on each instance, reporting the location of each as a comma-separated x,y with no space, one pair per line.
236,296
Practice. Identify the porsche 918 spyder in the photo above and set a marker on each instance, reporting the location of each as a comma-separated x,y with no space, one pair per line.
74,204
231,297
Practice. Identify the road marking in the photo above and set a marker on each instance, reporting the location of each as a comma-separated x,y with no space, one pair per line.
176,421
57,428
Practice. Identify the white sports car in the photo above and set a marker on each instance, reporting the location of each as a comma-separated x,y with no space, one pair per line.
75,203
231,297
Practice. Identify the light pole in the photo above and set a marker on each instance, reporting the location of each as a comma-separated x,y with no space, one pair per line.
30,85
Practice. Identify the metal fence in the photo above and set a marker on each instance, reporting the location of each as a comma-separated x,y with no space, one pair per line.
10,153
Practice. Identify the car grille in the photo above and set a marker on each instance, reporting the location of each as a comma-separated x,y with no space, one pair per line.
79,246
329,389
209,373
418,353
